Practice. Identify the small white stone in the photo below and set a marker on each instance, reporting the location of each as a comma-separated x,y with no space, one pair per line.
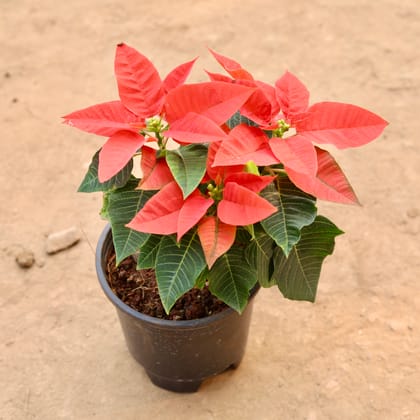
25,259
58,241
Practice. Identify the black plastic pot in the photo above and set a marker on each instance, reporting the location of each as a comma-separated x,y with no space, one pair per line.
178,355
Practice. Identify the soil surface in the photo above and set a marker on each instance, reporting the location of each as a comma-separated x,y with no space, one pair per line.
354,354
138,289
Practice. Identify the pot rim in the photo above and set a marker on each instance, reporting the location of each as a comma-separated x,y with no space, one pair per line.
104,237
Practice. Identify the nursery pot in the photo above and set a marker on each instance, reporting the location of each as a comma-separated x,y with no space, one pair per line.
178,355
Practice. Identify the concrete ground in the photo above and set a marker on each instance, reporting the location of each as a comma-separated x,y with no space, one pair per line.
351,355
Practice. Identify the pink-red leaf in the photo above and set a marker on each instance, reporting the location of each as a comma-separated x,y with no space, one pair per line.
330,183
295,152
245,143
262,107
252,182
160,214
343,125
241,206
232,66
216,238
178,75
117,152
139,83
217,77
271,95
195,128
219,173
103,119
194,208
215,100
156,172
258,108
292,95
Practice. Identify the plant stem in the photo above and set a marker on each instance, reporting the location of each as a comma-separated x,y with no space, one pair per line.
274,171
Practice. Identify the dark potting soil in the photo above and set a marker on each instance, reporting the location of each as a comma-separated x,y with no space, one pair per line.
138,289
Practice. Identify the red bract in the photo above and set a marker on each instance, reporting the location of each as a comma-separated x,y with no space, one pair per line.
156,172
216,238
195,128
139,84
292,96
104,119
167,212
142,95
343,125
218,173
262,105
245,143
178,75
293,131
197,111
232,67
241,207
329,182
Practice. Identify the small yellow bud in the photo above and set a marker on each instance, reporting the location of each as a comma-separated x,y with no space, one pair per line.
252,168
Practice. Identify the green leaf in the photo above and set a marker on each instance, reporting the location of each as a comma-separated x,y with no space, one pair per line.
148,252
91,182
237,119
296,209
243,236
123,205
177,267
188,166
259,256
231,278
297,275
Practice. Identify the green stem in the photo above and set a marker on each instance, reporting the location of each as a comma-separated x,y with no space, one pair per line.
274,171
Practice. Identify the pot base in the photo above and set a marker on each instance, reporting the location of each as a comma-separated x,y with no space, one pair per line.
174,385
181,385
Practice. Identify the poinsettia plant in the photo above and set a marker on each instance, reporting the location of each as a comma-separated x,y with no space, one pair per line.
234,203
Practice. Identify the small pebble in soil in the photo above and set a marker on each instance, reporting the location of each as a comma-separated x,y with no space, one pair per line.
25,259
59,241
